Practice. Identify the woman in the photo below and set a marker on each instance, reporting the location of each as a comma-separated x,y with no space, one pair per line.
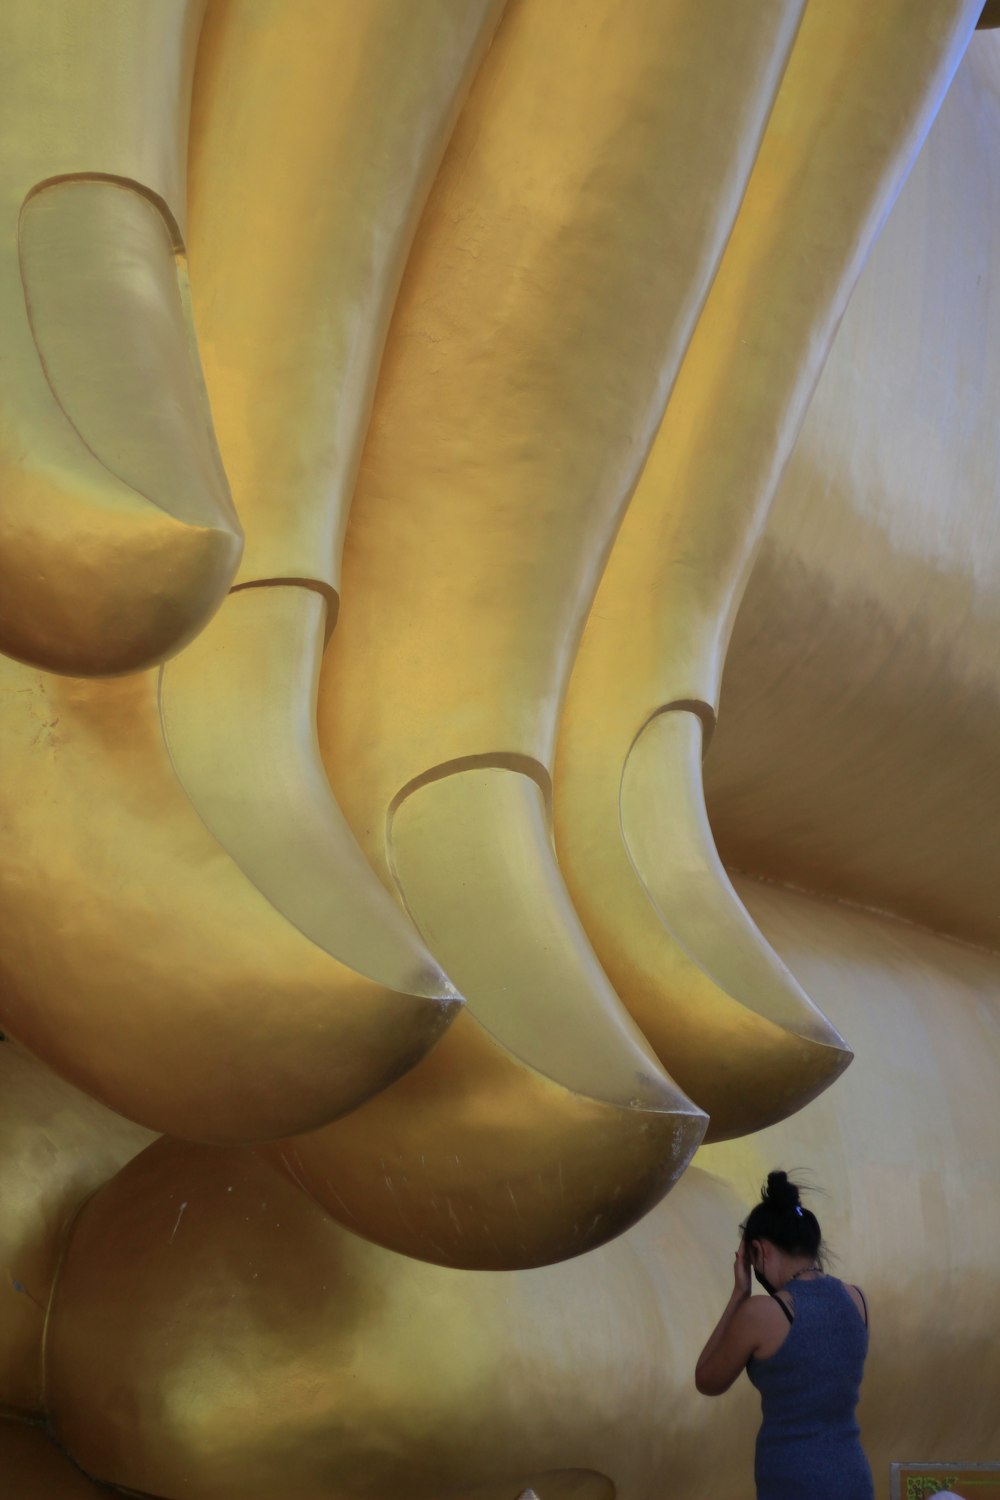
803,1347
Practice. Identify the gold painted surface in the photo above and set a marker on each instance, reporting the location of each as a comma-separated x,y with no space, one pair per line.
56,1147
539,1126
245,1344
32,1468
538,329
656,904
365,1372
140,962
180,898
565,249
904,1151
238,710
479,1160
317,128
857,748
117,535
757,1057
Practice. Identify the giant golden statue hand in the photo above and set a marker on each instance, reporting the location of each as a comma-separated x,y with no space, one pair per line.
279,983
214,1334
628,234
443,684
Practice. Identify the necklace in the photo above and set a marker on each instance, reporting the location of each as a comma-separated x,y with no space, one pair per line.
806,1271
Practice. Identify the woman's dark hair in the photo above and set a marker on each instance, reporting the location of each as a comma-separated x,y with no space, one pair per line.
780,1218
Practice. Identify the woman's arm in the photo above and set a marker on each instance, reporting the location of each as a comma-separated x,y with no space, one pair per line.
734,1338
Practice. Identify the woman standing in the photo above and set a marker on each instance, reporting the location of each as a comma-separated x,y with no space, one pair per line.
803,1347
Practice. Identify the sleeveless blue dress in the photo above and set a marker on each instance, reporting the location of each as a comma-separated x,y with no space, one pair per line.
809,1445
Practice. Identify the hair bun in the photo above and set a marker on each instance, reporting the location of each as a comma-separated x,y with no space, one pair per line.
780,1194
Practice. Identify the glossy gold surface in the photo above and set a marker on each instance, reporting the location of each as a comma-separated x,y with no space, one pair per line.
245,1339
537,331
56,1147
878,570
173,989
541,1125
548,298
317,128
117,535
724,1017
756,1059
239,725
581,267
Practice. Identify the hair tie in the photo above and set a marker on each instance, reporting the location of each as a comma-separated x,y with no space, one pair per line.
798,1209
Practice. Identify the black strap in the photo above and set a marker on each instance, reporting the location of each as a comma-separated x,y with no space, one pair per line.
785,1308
864,1303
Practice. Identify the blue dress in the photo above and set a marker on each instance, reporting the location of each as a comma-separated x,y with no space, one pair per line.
809,1446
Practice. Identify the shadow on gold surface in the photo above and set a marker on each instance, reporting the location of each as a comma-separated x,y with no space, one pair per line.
33,1468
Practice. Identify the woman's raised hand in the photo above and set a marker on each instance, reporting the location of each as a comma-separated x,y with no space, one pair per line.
741,1271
